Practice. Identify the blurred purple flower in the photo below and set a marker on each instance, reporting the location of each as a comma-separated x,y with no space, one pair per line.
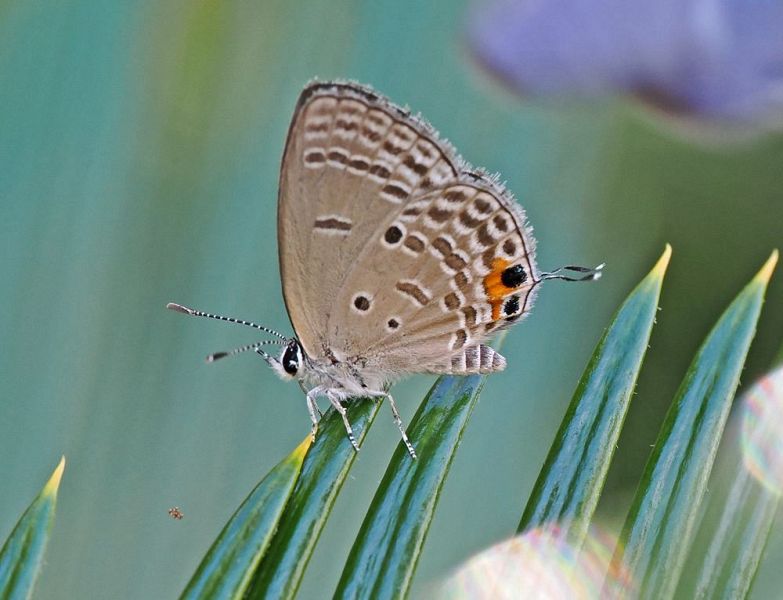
716,59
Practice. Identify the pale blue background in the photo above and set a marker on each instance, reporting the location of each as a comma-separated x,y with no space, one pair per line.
139,151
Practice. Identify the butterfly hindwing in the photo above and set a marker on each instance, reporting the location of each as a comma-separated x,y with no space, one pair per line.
436,279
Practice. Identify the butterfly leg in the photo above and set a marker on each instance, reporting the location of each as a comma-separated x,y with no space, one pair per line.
335,400
312,408
398,422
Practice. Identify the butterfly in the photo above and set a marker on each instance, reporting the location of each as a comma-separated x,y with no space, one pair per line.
396,257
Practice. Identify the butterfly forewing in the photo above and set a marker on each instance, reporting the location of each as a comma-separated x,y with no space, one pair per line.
416,259
351,160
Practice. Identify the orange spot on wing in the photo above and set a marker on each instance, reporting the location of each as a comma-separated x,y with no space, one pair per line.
493,286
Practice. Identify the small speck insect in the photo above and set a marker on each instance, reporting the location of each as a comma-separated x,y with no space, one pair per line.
175,513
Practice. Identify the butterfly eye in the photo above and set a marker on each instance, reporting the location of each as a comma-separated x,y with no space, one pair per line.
291,358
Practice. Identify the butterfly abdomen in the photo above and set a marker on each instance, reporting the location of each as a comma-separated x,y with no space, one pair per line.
471,360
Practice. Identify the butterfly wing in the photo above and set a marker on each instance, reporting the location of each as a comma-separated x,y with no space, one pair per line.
352,160
437,277
394,255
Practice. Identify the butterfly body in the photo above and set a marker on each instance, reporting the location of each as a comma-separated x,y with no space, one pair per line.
345,376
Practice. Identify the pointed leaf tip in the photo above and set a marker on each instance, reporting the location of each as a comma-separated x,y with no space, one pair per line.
660,267
21,556
54,481
668,502
765,273
300,451
573,475
227,569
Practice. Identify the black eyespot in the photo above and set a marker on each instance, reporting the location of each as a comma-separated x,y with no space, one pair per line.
393,324
511,306
514,276
393,234
361,303
291,359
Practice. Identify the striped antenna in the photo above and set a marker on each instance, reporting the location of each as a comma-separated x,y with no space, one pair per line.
255,346
586,273
198,313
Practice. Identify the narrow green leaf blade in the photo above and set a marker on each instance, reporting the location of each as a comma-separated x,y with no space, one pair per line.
778,360
228,566
727,565
573,475
744,499
659,527
326,465
385,554
22,555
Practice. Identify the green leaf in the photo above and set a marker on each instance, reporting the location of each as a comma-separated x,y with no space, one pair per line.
229,564
726,565
660,524
743,500
386,551
22,554
573,475
778,360
325,467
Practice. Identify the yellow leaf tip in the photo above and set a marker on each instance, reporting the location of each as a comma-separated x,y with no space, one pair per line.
54,481
300,451
660,267
765,273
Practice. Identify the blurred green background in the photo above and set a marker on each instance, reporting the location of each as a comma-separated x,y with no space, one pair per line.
139,152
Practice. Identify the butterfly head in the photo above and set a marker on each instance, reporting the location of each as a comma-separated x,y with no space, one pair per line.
291,360
288,365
